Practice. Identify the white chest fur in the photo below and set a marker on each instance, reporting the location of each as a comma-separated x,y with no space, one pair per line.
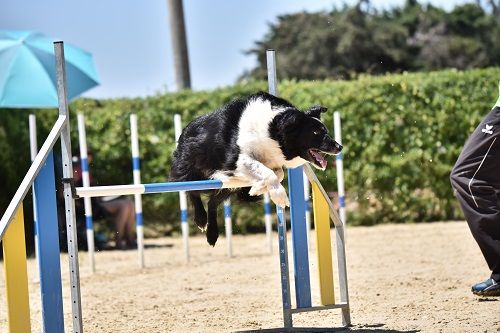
254,140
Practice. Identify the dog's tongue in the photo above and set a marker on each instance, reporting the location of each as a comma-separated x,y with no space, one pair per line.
320,159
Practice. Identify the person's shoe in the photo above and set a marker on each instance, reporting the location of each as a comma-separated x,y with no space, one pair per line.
488,287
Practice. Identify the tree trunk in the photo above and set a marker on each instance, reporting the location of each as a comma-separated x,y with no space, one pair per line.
179,44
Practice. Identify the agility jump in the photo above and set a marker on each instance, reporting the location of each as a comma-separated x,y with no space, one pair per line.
136,169
12,233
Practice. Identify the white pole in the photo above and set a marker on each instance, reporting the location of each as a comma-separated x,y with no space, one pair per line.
182,194
33,152
308,208
340,168
229,227
268,221
134,137
82,139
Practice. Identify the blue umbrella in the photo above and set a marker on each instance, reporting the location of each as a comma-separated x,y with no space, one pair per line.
27,70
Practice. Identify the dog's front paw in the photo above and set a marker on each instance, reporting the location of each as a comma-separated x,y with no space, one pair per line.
212,237
212,233
200,219
279,196
258,189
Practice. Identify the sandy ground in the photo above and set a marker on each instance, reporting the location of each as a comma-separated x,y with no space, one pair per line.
402,278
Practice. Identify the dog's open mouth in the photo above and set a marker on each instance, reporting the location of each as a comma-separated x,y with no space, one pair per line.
317,159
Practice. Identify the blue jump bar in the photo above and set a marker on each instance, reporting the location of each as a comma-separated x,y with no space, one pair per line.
183,186
199,185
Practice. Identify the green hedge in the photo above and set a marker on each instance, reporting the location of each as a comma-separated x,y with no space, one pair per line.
402,135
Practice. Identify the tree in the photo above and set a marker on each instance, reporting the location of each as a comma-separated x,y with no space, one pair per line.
358,39
179,44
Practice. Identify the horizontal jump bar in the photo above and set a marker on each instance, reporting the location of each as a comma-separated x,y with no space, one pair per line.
102,191
321,307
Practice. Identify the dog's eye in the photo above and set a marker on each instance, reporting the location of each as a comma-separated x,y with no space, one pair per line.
316,132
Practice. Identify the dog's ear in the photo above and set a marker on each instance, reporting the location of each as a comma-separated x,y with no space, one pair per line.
316,111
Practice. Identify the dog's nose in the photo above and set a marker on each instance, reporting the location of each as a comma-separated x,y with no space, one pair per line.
338,147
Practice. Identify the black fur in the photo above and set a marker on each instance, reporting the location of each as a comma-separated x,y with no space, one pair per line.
209,144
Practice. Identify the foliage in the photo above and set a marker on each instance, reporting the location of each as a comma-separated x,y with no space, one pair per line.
360,39
402,134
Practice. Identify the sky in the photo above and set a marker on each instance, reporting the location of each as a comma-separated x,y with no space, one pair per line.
130,39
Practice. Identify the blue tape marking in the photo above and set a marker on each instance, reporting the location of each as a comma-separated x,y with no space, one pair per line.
267,208
227,211
136,163
48,249
89,224
183,186
85,164
299,237
342,201
339,156
184,215
138,219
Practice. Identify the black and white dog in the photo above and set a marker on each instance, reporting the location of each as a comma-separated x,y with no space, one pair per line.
249,141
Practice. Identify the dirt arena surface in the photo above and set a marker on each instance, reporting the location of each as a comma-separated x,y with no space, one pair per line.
402,278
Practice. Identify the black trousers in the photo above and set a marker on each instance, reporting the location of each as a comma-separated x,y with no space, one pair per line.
476,181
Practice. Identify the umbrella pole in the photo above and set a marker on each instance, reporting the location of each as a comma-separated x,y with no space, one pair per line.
71,229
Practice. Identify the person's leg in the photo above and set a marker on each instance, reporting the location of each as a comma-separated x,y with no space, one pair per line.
130,236
476,181
117,212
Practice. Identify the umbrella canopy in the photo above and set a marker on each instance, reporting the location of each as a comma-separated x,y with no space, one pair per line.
27,70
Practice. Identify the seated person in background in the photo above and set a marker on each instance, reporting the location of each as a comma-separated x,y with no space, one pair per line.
119,210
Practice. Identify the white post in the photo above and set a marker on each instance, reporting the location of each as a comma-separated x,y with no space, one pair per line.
228,227
33,152
134,137
89,224
182,194
268,221
340,168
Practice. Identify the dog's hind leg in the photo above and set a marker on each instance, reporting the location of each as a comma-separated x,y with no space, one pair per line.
213,203
200,215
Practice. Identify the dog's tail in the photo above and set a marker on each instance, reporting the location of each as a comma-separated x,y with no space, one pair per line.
243,196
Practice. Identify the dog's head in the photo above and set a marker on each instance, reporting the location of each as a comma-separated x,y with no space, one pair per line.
302,134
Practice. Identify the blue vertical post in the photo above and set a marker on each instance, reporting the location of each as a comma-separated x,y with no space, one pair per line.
48,249
299,237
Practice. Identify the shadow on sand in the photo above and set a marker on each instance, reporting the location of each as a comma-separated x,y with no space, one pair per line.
354,329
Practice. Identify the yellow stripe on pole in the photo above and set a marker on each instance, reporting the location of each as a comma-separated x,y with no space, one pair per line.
16,276
324,246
